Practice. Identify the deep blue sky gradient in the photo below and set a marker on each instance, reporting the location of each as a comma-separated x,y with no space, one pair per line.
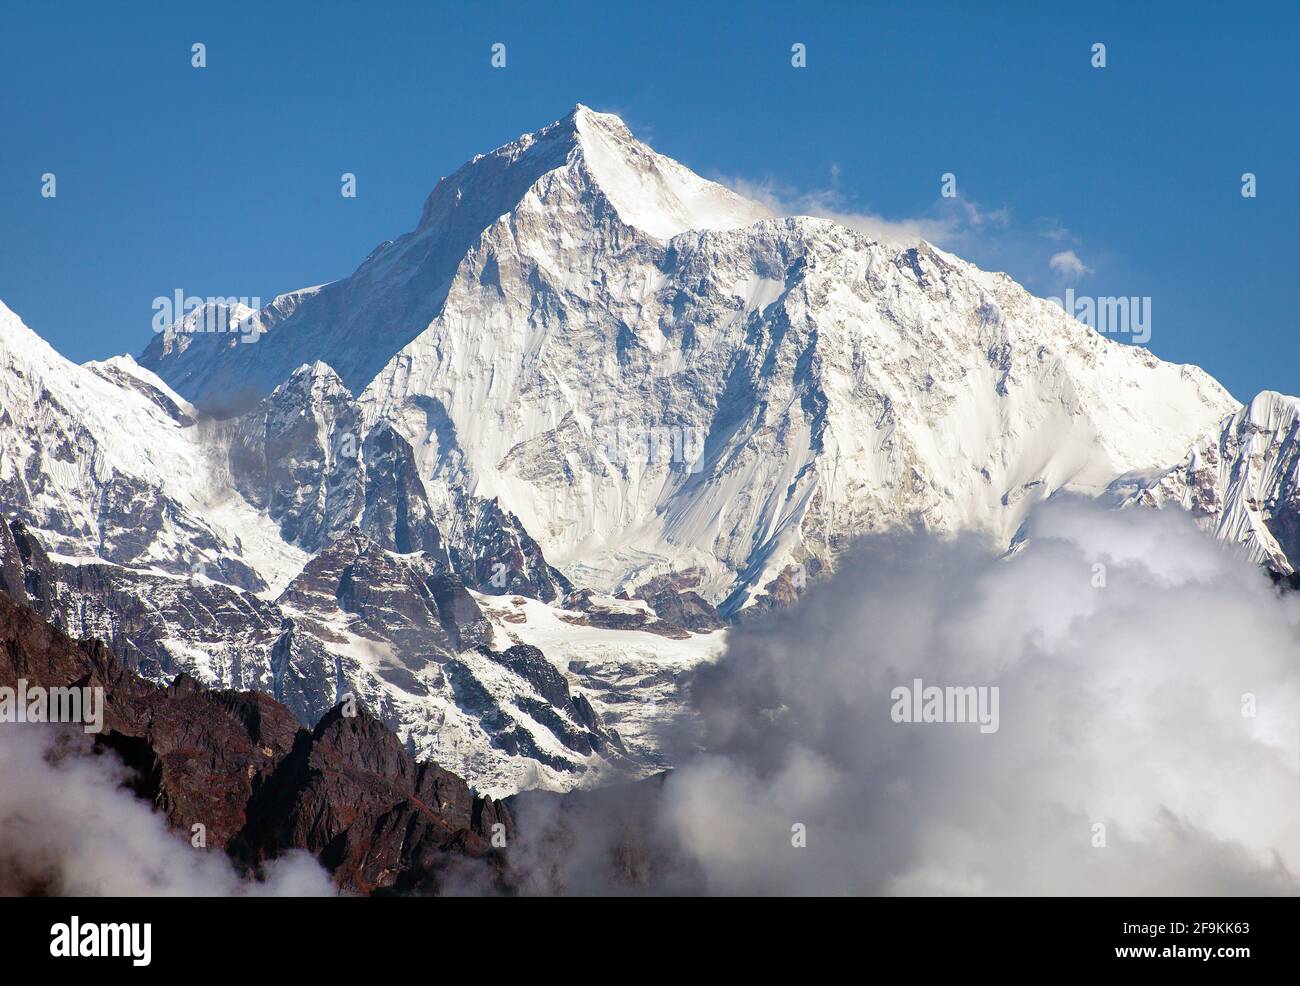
225,181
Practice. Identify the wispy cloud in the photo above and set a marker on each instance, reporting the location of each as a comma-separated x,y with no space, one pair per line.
991,237
950,219
1068,265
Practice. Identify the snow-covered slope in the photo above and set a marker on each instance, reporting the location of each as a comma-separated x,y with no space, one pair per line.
105,461
1241,480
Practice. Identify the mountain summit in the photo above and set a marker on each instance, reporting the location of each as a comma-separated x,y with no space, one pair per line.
591,152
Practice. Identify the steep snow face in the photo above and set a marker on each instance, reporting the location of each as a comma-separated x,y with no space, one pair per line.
105,461
357,324
1240,480
741,400
651,192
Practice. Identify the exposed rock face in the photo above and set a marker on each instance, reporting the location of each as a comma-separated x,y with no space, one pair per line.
352,796
161,627
398,632
410,603
296,456
305,457
784,590
618,613
240,765
397,513
568,716
492,552
675,601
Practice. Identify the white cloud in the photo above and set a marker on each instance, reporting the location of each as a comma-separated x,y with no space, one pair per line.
1053,230
990,237
1068,264
826,204
952,222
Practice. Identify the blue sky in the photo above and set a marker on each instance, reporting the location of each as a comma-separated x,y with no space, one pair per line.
225,180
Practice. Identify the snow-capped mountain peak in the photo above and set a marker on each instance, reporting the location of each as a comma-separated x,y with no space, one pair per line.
597,153
771,386
579,172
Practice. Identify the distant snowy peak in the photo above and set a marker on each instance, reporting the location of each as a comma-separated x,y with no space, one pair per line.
206,319
1241,481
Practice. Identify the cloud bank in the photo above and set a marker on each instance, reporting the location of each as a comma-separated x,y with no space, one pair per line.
1148,740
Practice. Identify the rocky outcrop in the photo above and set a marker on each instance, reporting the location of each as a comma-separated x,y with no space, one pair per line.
397,513
784,590
676,602
296,455
493,553
351,795
666,605
158,626
303,456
